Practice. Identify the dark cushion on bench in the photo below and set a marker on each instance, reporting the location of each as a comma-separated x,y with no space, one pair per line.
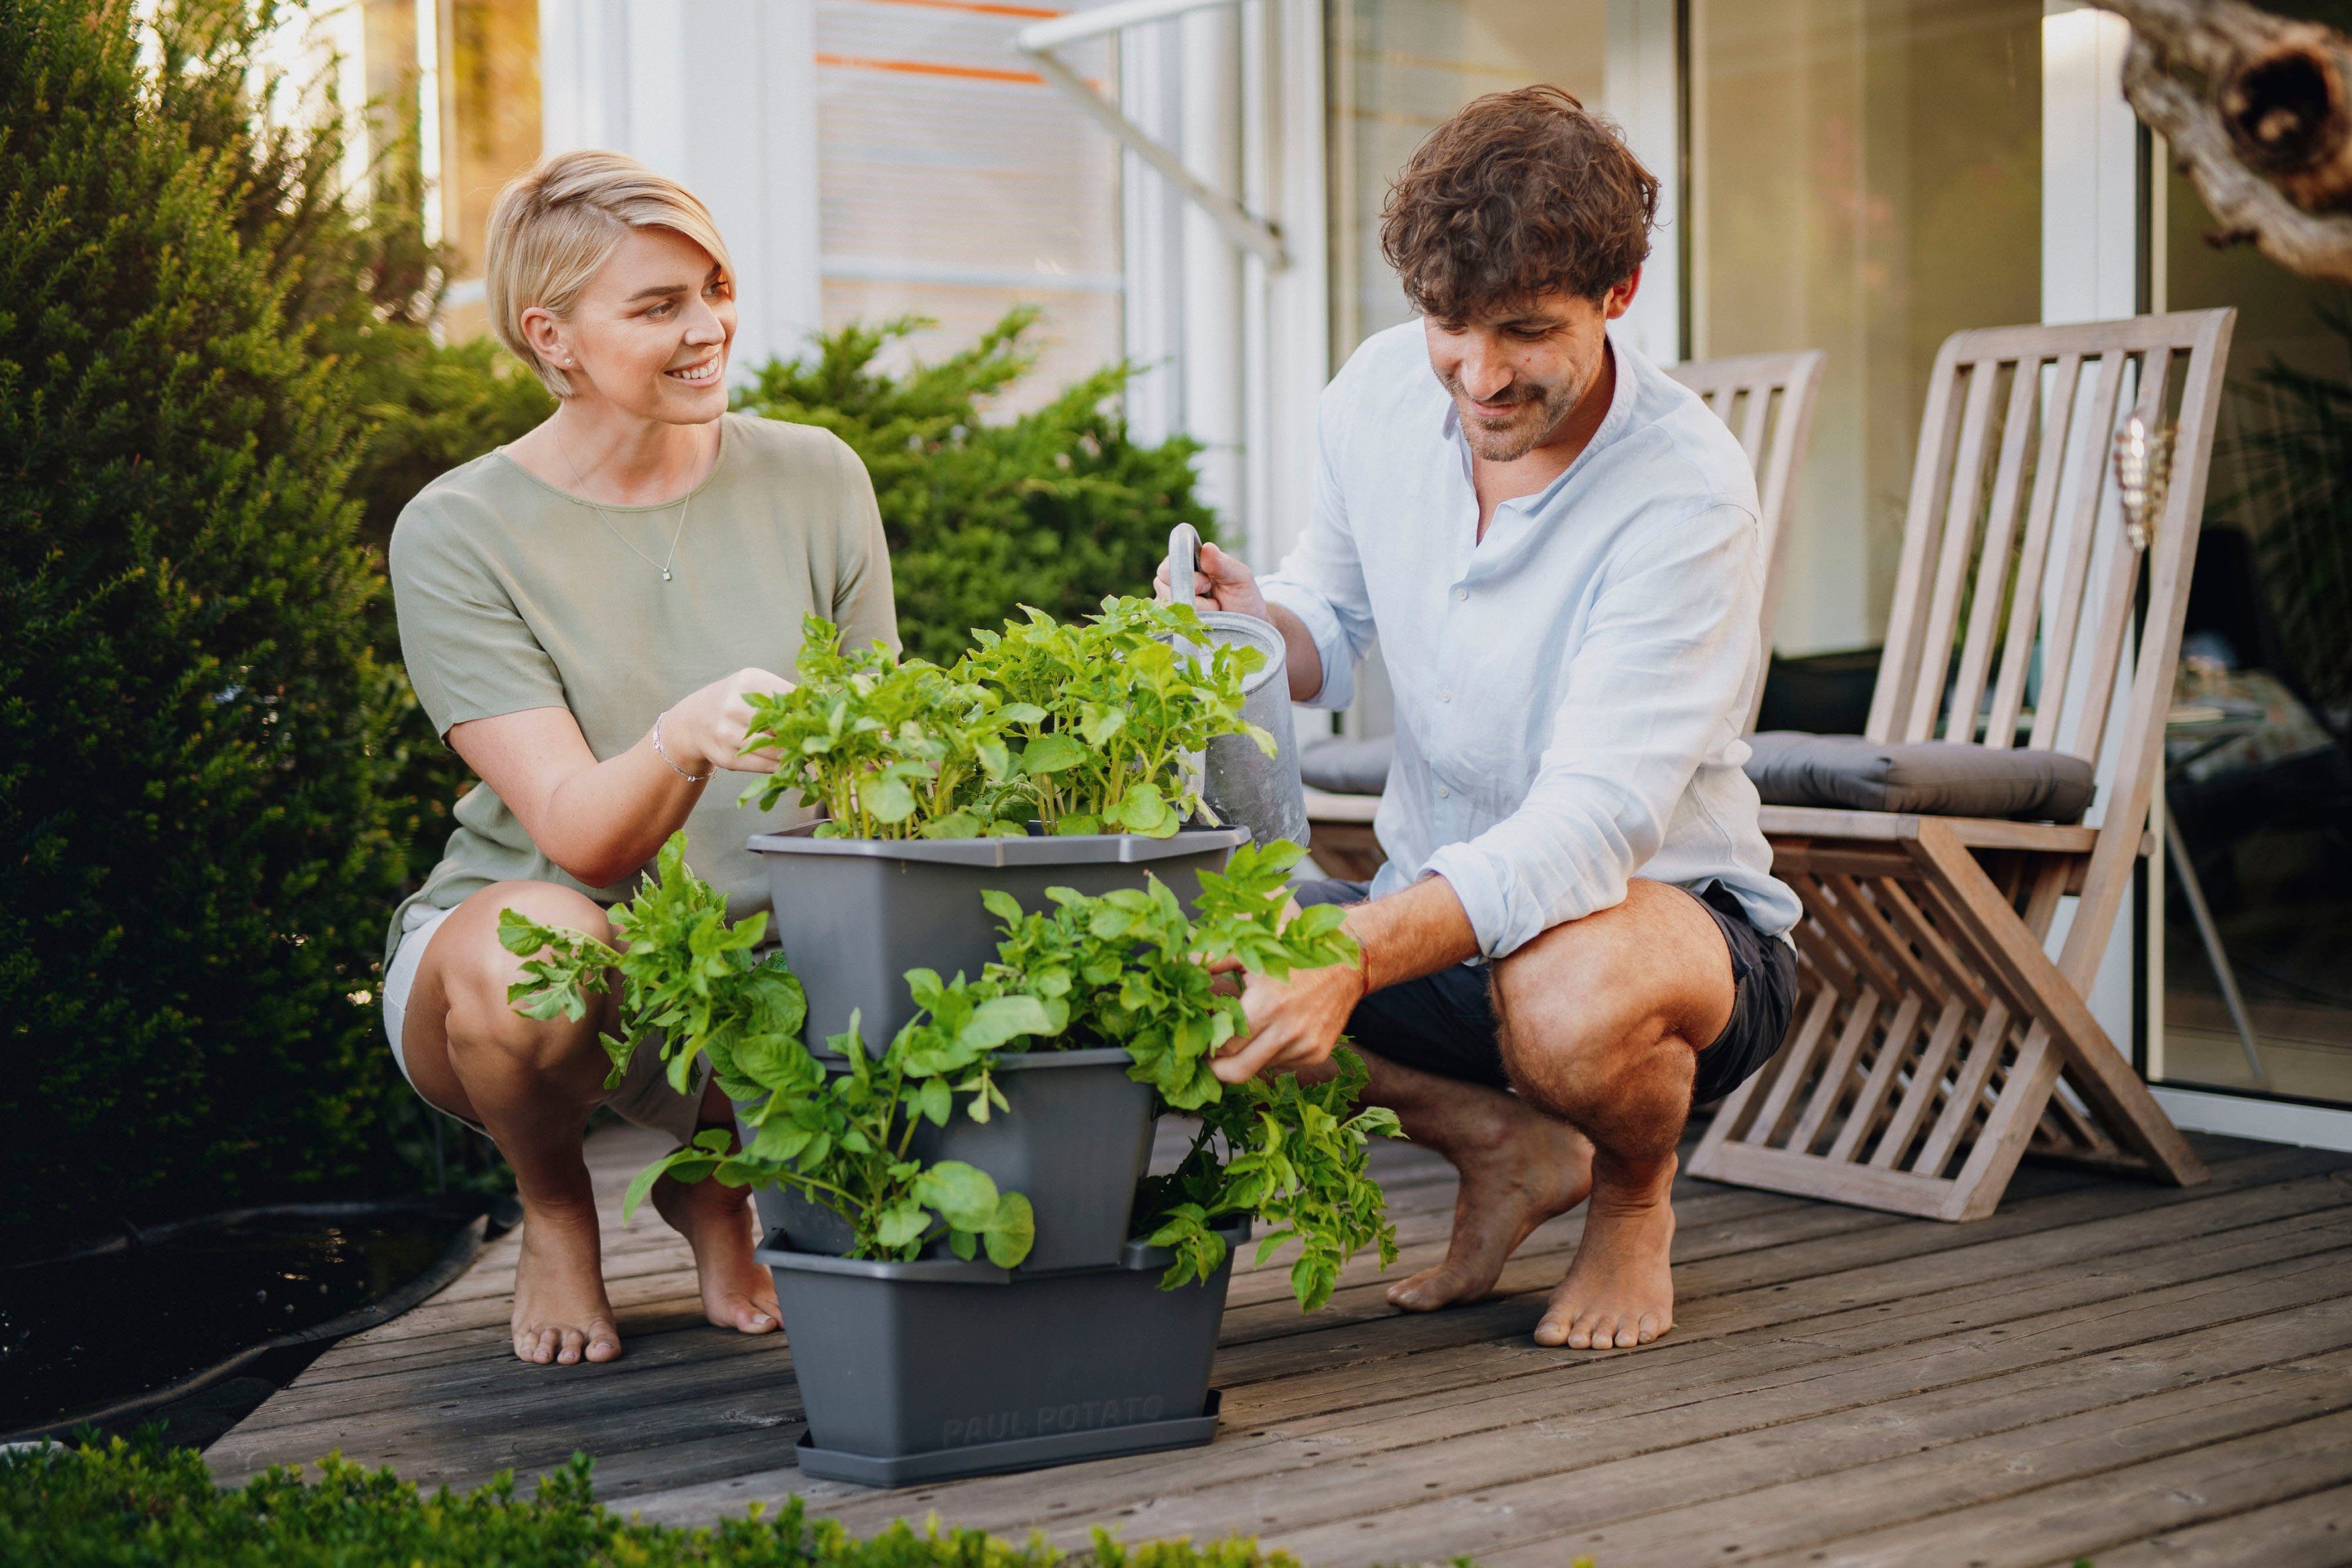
1935,778
1347,767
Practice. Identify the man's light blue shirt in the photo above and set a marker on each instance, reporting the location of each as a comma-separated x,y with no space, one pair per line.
1571,689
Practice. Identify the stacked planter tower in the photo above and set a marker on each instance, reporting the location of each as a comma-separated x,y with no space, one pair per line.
941,1366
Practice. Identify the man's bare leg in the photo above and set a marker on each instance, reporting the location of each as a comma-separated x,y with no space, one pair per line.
1519,1168
1601,1021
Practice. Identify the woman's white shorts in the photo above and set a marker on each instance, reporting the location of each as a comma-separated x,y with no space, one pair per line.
645,1098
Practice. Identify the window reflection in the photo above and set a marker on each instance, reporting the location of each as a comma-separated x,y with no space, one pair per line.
1866,178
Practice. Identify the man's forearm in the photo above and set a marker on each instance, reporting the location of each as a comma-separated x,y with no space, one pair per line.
1301,658
1409,934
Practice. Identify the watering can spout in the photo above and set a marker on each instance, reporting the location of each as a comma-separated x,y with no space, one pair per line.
1239,783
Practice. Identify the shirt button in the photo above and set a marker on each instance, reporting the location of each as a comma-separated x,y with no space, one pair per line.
1445,697
1443,793
1461,593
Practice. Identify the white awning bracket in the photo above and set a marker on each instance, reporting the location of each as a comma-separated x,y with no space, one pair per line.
1038,41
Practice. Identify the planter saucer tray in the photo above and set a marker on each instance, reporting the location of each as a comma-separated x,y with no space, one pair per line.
939,1368
855,914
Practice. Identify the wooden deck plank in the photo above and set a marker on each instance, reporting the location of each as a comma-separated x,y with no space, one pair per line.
1666,1483
1949,1485
1817,1348
1517,1449
2313,1530
2202,1480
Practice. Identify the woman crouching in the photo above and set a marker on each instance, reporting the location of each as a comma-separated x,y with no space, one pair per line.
582,614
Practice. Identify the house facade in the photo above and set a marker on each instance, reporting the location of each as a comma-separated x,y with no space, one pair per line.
1862,176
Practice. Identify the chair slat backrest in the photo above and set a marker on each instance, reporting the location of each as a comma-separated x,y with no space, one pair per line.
2013,619
1767,401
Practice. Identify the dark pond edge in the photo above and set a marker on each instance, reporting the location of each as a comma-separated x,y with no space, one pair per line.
456,1258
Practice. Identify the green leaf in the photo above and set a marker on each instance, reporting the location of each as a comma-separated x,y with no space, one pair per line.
887,798
1051,754
963,1194
1004,1018
902,1225
1010,1232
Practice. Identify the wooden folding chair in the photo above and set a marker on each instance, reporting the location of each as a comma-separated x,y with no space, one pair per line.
1935,1040
1769,400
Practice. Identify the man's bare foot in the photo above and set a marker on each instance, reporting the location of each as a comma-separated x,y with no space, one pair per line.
1519,1168
716,1220
1619,1291
561,1312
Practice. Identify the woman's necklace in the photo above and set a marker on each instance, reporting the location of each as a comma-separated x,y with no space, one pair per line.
662,566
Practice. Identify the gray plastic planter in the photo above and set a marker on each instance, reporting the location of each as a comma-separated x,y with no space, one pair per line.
855,914
1075,1138
920,1371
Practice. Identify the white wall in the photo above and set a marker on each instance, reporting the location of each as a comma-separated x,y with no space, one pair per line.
720,95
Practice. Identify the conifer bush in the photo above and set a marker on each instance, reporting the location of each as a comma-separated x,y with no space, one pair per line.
192,726
1057,508
133,1505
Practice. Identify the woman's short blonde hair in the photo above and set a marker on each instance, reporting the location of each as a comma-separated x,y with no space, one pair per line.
553,227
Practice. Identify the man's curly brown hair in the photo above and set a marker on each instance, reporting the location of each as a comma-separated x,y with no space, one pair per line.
1521,194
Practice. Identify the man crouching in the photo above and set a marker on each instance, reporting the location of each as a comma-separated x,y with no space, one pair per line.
1577,934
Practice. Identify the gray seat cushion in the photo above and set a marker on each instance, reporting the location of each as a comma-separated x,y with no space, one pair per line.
1347,767
1936,778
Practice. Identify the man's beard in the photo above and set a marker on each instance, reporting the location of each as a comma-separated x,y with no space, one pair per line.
1551,405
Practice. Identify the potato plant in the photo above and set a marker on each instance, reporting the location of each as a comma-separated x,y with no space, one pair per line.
691,986
1129,967
1088,727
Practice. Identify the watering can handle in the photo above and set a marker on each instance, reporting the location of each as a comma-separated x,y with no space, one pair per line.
1183,553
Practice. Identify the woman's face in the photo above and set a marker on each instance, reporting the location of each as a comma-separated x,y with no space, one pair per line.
651,332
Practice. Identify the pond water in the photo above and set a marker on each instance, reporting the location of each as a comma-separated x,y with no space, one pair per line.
86,1332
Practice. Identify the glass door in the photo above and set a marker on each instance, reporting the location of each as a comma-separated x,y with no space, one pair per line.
2256,928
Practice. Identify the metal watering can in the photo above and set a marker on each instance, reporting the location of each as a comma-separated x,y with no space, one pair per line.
1242,784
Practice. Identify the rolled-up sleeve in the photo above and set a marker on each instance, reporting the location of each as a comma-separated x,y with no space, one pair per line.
1657,683
1322,580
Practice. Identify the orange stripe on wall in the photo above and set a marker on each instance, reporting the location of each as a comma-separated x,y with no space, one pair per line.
981,7
928,68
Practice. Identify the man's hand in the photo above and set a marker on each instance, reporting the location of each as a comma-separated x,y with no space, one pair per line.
1221,583
1293,1023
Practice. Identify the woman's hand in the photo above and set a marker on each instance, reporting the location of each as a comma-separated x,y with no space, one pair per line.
707,730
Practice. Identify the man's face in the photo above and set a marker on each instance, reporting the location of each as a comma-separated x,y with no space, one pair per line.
1517,375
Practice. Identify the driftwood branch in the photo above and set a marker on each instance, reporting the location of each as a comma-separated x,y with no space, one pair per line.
2257,111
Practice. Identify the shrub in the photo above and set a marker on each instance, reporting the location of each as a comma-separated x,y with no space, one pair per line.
1057,508
141,1504
192,726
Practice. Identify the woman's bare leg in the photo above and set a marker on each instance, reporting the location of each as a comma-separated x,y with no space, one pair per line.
532,1084
718,1223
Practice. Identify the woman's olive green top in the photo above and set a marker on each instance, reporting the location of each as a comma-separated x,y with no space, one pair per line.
512,594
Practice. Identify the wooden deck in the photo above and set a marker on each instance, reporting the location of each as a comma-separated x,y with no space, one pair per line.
2103,1368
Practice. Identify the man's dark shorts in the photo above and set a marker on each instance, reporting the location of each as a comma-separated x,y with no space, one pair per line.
1444,1023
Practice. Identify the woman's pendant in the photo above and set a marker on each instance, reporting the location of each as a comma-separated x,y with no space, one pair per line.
665,573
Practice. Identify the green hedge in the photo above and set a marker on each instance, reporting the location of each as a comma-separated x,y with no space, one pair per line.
143,1506
195,852
1056,508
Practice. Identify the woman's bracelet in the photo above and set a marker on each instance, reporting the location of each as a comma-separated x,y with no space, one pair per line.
663,752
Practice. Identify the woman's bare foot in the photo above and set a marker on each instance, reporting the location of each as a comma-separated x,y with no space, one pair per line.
716,1220
561,1312
1619,1291
1519,1168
